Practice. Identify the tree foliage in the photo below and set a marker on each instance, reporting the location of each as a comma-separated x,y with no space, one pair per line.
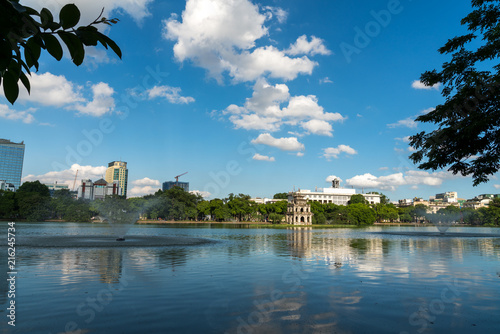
25,32
280,196
358,198
467,140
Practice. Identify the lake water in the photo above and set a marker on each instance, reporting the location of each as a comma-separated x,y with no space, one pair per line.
257,281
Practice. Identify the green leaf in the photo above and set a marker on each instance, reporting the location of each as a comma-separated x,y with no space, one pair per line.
88,35
53,46
75,46
5,54
47,18
32,52
25,81
105,40
10,88
69,16
30,11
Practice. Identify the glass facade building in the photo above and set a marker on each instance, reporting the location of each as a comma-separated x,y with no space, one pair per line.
117,171
11,162
170,184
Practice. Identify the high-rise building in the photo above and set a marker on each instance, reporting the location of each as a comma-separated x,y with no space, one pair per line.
11,162
117,171
170,184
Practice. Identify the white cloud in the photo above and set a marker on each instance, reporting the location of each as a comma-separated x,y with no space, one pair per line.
266,99
220,36
139,191
407,122
430,179
332,177
260,157
334,152
67,176
281,14
204,194
300,154
389,182
417,84
325,80
263,111
404,139
172,94
399,150
26,116
303,47
318,127
146,182
255,122
284,144
90,9
497,186
102,102
383,168
306,107
51,90
393,181
142,187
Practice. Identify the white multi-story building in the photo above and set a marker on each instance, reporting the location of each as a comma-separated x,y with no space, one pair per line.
335,195
447,197
5,186
265,200
98,189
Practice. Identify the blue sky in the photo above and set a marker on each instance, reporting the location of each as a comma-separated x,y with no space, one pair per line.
253,97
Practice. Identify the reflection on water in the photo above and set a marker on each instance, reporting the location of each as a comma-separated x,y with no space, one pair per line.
297,280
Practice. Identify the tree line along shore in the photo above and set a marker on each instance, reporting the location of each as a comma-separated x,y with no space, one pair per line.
33,202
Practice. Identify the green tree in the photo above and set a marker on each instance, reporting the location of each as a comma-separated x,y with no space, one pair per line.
24,32
275,218
449,210
358,198
240,206
419,210
8,204
34,201
280,196
34,187
361,214
467,138
386,212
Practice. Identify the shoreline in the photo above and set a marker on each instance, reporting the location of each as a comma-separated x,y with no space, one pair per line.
251,224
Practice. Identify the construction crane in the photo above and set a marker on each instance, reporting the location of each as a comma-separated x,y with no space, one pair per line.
74,182
177,178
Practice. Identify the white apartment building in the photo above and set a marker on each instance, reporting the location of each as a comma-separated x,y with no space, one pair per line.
6,186
334,194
